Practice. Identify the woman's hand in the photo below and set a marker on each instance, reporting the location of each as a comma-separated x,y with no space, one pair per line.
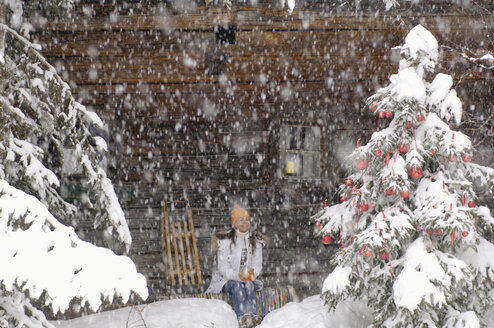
245,277
251,275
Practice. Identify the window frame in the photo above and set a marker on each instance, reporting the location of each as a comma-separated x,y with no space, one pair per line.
301,145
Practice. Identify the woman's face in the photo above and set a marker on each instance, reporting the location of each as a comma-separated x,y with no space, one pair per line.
243,224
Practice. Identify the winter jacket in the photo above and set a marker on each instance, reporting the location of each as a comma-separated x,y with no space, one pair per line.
229,261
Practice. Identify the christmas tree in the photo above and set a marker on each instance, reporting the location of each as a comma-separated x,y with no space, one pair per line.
412,237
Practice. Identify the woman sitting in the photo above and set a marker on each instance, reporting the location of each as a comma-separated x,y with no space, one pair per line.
239,264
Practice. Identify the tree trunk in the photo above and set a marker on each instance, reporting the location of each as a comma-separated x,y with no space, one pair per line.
2,32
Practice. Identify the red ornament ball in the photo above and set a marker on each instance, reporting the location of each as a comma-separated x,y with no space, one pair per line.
326,240
348,182
364,207
464,233
384,256
420,118
452,158
373,108
439,232
467,158
342,199
429,231
362,251
317,223
389,114
415,173
471,204
362,164
409,124
378,152
405,194
382,114
389,192
403,148
367,253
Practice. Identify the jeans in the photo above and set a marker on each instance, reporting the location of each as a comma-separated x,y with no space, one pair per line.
243,297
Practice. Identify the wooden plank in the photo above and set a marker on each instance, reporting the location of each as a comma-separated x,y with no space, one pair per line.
169,249
273,68
165,243
245,18
191,269
183,264
243,91
178,271
195,254
79,52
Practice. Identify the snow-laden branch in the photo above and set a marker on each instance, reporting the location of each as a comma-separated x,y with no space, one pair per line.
33,48
40,106
41,256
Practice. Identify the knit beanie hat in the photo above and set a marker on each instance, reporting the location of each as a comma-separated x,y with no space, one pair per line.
238,213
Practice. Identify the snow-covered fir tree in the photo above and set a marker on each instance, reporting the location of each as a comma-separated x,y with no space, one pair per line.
44,131
413,238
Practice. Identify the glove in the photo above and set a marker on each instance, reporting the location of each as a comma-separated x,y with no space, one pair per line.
251,275
243,276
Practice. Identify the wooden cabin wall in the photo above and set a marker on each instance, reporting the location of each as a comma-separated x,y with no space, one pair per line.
177,132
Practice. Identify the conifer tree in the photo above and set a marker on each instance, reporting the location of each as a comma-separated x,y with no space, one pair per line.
44,131
413,238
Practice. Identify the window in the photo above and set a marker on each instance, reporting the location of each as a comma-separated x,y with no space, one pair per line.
216,58
225,34
299,151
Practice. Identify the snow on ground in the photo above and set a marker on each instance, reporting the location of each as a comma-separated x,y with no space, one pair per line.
179,313
204,313
313,313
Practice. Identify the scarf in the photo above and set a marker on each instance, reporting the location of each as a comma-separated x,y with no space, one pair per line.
243,257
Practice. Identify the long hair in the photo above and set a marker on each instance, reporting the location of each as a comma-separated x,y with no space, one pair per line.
230,234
